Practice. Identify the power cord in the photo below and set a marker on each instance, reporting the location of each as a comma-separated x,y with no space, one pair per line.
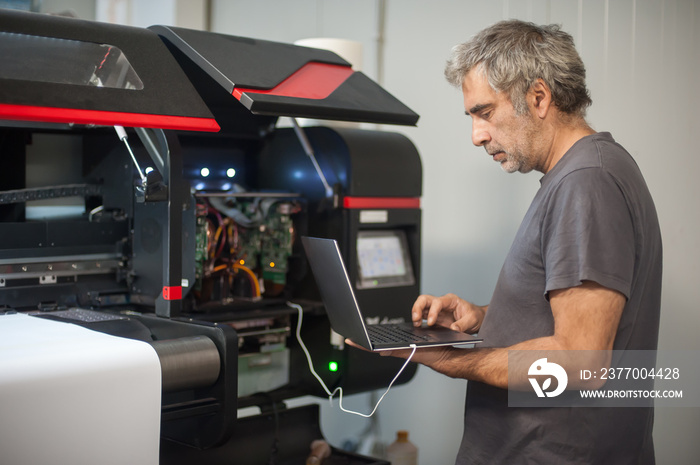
339,390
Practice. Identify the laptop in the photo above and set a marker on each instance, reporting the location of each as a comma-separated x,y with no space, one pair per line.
346,317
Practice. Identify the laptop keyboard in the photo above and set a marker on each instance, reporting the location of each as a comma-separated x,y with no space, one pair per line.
387,334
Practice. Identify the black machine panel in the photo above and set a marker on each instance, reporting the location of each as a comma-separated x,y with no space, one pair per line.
272,78
377,177
243,62
64,70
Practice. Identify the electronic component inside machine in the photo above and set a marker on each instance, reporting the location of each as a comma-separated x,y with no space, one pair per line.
243,244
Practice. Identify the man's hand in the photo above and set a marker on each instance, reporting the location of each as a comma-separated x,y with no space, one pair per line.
449,311
585,321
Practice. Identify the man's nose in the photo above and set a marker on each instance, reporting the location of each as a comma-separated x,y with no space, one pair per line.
480,135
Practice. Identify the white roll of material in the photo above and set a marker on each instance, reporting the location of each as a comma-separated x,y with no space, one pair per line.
70,395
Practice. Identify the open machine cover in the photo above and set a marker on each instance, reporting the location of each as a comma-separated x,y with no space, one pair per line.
272,78
64,70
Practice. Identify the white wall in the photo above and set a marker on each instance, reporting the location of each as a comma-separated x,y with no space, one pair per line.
642,58
642,61
83,9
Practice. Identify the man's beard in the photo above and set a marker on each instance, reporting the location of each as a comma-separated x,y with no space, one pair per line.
521,156
516,160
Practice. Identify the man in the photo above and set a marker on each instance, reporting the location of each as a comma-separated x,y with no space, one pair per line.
584,270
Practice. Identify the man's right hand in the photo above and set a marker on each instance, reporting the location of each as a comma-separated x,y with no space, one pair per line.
449,311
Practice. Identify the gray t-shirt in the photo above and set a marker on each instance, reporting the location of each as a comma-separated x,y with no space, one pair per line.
592,219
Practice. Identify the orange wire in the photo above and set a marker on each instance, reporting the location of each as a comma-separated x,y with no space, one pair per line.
253,278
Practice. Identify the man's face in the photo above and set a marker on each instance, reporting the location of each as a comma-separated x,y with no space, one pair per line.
511,139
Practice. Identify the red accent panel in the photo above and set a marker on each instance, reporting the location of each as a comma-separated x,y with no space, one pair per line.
312,81
381,202
172,292
107,118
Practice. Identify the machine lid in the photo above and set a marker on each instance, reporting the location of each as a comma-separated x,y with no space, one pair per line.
64,70
278,79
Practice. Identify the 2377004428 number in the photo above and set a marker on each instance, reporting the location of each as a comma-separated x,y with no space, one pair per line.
635,373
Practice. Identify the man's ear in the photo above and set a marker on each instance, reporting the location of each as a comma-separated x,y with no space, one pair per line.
540,97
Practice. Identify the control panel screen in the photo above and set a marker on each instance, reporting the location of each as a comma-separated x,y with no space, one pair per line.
383,259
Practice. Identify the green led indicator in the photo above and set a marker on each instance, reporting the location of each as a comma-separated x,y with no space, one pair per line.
333,366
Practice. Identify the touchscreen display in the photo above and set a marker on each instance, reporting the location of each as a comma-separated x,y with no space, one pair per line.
383,259
380,256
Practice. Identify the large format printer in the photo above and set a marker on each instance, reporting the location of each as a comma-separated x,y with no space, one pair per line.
150,215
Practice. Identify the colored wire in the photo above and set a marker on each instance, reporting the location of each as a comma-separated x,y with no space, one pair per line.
217,234
220,239
340,389
253,278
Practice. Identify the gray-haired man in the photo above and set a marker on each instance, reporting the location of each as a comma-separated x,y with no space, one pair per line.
583,273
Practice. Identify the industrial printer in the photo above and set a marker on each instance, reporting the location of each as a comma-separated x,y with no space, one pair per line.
151,271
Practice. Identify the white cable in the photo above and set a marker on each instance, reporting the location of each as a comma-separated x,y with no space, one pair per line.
340,389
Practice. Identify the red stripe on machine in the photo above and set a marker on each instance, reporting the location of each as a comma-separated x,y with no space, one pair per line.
381,202
312,81
106,118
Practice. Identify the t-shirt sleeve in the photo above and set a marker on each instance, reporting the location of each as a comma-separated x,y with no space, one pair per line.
587,233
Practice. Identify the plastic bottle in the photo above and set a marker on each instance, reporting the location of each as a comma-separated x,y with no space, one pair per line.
402,451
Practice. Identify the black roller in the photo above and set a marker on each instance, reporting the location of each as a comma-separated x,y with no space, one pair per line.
187,362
